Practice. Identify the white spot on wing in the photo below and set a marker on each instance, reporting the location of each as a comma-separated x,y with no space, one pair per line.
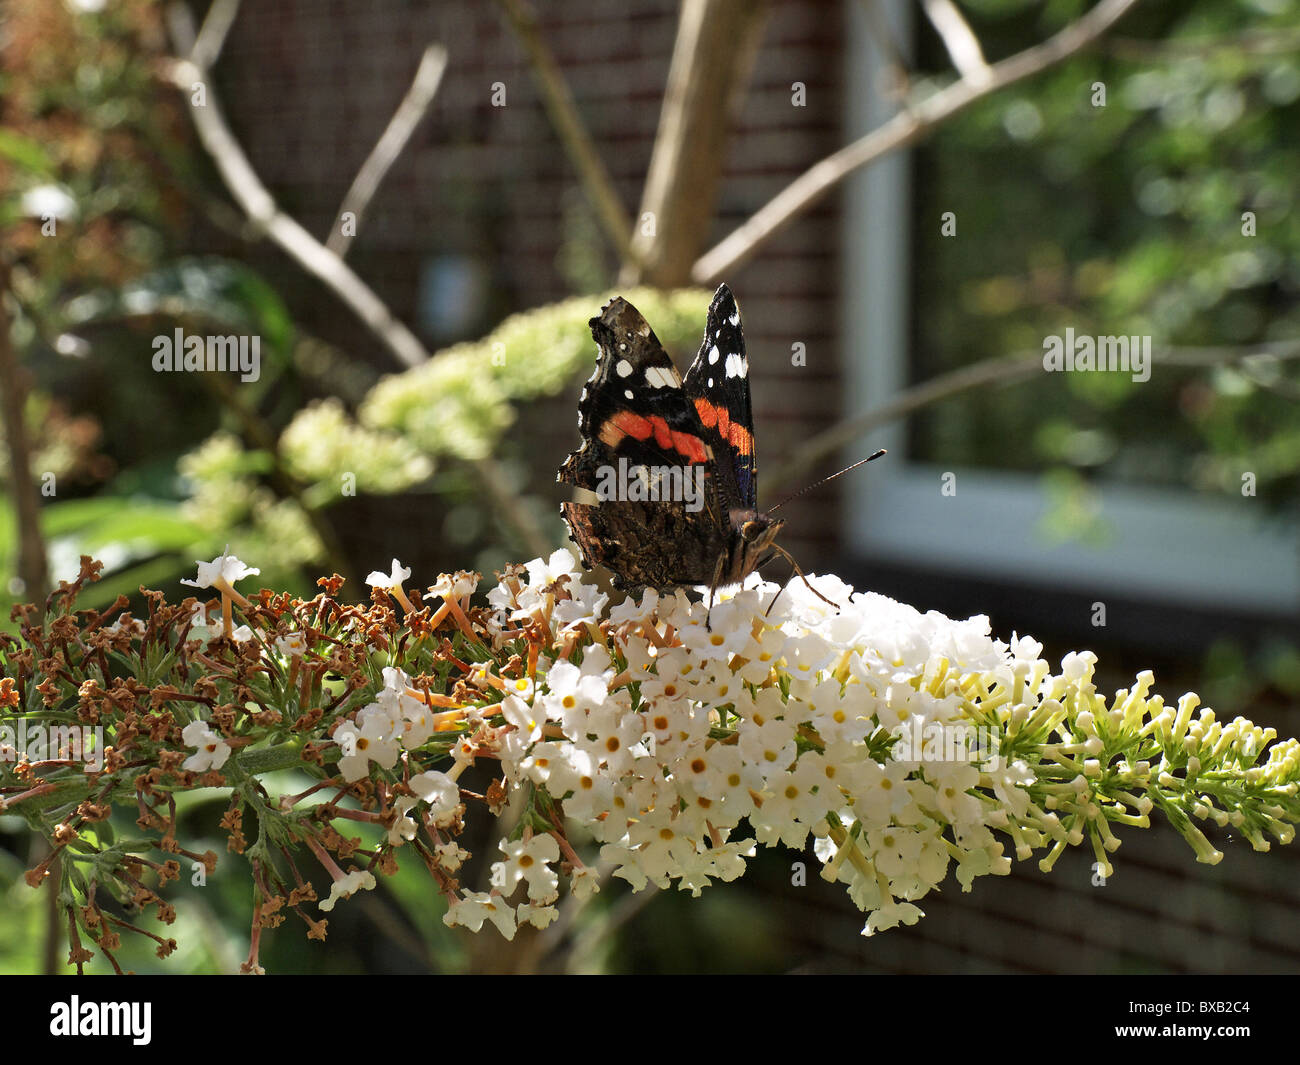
661,377
713,354
627,393
735,318
623,368
710,382
737,365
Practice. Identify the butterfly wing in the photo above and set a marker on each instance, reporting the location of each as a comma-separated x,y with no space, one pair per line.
636,422
717,386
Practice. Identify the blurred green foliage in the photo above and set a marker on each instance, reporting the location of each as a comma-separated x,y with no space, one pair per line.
154,470
1122,218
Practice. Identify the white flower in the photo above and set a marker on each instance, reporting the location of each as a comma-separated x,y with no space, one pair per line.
768,743
561,563
806,655
761,654
459,585
586,606
395,679
727,631
520,687
839,715
537,916
450,855
404,827
578,773
663,845
890,915
1009,782
48,201
571,694
198,619
525,719
610,734
882,792
792,803
585,882
861,708
1077,666
291,645
478,906
951,781
213,749
372,739
674,727
631,611
347,886
221,573
400,573
728,779
411,716
417,722
441,793
1025,648
529,861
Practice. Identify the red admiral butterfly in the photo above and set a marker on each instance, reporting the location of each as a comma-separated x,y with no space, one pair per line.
666,473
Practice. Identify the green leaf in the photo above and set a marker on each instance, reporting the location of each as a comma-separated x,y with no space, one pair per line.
25,152
224,292
153,526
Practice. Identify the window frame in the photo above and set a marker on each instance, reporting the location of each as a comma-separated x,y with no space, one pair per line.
1224,555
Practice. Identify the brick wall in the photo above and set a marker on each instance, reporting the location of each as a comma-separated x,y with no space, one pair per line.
310,86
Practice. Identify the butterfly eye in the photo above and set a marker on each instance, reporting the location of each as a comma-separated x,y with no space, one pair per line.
750,530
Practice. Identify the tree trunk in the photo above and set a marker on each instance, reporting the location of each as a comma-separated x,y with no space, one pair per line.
717,41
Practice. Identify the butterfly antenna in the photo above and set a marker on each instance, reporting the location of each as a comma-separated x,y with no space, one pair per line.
818,484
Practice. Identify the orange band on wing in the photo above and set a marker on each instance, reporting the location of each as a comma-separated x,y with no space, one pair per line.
625,423
733,433
690,446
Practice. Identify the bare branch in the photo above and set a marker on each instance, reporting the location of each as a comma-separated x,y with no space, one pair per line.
904,128
424,86
573,134
320,261
212,36
998,371
32,568
249,192
717,42
959,39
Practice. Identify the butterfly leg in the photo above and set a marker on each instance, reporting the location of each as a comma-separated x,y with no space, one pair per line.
790,558
768,611
770,605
